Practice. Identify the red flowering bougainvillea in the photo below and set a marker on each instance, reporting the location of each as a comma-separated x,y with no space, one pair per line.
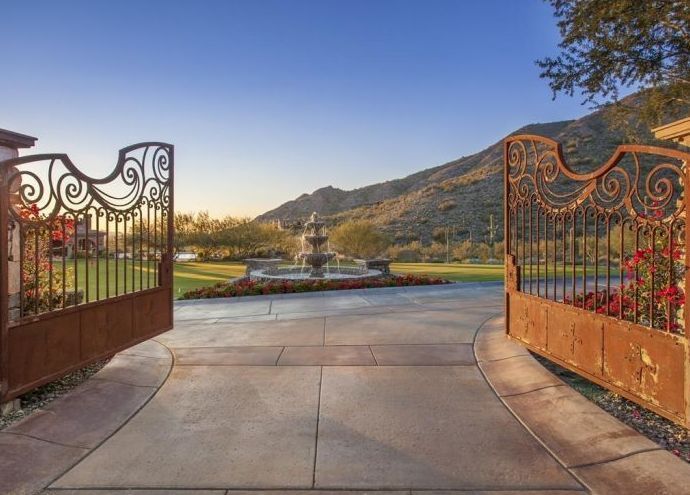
248,287
651,294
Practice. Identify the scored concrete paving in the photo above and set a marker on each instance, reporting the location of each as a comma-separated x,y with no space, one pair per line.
424,427
362,390
213,426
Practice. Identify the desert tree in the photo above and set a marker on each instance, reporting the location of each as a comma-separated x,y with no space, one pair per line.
359,239
611,45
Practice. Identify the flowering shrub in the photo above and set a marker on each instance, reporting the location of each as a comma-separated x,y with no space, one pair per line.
651,291
248,287
42,285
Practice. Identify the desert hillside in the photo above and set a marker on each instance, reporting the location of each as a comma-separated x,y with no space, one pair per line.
461,194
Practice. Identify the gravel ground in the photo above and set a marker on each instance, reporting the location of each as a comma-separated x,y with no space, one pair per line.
38,398
672,437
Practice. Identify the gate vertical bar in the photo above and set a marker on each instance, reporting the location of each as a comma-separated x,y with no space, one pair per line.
686,279
506,237
4,282
171,229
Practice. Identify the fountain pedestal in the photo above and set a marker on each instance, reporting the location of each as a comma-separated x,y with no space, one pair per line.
315,236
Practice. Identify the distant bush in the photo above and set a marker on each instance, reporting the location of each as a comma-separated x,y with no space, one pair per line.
231,238
359,239
436,252
464,251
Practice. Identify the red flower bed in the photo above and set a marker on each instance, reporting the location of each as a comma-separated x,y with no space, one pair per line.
254,288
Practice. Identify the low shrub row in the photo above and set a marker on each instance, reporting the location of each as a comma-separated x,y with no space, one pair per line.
246,287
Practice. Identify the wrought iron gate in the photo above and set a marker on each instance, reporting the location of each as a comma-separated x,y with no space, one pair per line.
85,264
596,267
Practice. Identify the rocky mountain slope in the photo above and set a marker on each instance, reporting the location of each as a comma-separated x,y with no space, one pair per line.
461,194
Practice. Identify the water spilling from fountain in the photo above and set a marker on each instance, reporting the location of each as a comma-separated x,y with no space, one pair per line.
313,261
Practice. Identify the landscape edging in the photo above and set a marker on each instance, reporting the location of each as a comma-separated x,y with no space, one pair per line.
586,431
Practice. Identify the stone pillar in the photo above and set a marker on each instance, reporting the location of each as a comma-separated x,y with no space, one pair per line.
10,273
10,144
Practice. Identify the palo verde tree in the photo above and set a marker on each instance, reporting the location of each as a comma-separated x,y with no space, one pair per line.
608,45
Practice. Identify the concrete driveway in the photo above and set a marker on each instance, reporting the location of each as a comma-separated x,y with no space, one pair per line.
357,390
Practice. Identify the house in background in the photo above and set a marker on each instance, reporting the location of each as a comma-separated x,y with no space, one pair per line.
86,240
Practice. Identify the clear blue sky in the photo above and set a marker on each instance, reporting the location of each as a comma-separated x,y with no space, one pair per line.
265,100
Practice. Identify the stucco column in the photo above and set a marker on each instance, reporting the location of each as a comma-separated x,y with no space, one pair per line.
10,144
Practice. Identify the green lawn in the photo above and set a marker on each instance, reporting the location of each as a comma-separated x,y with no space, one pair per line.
454,271
197,274
187,275
193,275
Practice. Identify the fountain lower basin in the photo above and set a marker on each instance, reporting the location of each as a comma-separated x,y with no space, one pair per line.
297,273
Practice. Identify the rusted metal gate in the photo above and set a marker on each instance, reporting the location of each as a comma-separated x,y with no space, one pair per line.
85,264
596,267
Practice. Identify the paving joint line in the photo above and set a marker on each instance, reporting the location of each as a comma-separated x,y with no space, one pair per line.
373,355
279,355
33,437
517,394
125,353
502,359
316,436
618,458
100,379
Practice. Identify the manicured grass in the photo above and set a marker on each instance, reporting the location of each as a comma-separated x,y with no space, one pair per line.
194,275
452,271
458,272
106,277
187,276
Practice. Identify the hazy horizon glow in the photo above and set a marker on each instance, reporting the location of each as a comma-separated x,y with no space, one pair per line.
266,100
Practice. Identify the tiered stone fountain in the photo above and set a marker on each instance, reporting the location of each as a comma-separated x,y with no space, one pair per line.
315,236
313,260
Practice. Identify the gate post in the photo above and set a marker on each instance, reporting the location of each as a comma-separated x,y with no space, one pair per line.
679,132
10,273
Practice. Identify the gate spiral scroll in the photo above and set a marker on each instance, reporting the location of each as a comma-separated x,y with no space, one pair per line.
596,266
85,265
53,185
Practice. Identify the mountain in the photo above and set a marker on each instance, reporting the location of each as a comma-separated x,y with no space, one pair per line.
461,194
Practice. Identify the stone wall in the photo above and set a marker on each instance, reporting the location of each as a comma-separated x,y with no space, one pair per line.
13,272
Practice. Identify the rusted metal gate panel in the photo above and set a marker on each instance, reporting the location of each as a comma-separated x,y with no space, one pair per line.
85,265
596,267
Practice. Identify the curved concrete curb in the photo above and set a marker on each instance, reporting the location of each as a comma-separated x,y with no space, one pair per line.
54,439
604,454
